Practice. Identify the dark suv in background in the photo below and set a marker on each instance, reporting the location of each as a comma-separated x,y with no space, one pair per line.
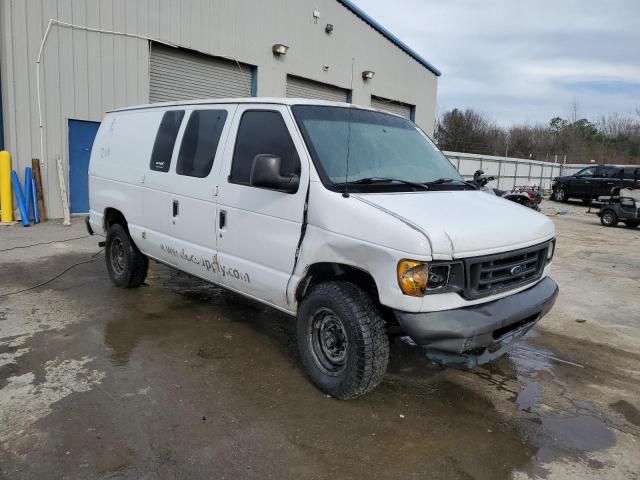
593,182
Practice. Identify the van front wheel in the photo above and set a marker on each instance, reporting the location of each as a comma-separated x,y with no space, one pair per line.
127,266
342,340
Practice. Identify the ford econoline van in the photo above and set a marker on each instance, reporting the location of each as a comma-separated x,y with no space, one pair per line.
347,218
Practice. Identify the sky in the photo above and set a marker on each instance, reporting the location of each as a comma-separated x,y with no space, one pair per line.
521,61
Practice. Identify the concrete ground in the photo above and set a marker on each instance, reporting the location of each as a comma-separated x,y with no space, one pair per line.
180,379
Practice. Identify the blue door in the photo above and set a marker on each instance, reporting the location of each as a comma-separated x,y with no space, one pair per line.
81,136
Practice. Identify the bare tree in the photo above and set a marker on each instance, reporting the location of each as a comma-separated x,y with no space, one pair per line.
574,110
610,139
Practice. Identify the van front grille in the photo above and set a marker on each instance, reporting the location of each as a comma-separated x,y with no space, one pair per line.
493,274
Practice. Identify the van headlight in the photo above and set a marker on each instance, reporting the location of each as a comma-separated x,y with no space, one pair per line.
417,278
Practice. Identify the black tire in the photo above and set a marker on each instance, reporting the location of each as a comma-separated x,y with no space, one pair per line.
632,224
127,266
350,359
609,218
560,195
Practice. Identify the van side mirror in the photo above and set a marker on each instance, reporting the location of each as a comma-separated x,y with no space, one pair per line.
265,173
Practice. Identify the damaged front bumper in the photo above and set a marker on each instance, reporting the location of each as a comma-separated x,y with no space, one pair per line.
471,336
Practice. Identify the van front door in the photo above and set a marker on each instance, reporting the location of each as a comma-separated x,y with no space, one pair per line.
258,228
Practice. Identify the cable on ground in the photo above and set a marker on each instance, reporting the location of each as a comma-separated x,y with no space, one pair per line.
44,243
93,257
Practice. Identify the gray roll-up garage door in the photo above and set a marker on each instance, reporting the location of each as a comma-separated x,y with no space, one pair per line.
391,106
298,87
179,74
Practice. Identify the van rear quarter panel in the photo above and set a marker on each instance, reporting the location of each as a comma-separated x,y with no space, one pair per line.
119,164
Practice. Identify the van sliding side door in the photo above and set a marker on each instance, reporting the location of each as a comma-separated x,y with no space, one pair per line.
191,203
157,185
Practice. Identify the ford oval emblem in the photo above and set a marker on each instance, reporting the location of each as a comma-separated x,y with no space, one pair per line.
517,270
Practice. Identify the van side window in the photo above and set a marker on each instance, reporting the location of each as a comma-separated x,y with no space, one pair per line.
165,140
262,132
200,142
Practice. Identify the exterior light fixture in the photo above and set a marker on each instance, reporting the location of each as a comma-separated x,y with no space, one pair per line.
368,74
280,49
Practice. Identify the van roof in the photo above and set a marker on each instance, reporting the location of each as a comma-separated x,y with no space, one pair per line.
254,100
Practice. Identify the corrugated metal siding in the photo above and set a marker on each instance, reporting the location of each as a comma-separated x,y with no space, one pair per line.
298,87
84,74
391,106
179,74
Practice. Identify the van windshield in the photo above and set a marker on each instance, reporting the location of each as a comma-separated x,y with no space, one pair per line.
384,151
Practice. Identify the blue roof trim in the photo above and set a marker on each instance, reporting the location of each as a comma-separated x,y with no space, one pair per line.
389,36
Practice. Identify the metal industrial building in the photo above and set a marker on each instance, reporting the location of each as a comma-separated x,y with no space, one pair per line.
98,55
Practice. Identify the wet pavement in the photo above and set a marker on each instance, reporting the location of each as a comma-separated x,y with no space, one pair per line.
181,379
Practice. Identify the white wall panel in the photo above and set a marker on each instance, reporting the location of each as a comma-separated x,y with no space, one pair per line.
511,171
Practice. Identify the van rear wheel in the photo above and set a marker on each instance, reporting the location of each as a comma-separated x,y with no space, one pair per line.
342,340
127,266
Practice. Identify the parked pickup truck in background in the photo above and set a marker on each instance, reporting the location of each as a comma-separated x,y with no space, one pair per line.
593,182
348,219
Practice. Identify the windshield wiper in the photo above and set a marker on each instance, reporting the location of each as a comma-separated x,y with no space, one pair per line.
370,180
442,181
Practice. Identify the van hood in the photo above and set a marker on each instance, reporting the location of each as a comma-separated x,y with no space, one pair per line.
465,223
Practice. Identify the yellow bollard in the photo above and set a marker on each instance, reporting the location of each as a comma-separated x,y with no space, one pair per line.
6,194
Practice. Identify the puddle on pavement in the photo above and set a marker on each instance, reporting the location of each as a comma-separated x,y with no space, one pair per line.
557,432
628,411
582,433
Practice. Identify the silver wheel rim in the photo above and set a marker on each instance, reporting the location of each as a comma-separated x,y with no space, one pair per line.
328,341
608,218
117,256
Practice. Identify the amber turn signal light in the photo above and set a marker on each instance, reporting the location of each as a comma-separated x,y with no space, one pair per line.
413,277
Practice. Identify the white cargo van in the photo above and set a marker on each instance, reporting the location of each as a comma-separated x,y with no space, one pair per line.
348,218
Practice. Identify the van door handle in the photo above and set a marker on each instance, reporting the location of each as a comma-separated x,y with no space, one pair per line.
176,208
223,219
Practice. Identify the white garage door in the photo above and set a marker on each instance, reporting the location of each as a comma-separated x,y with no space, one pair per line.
391,106
298,87
179,74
